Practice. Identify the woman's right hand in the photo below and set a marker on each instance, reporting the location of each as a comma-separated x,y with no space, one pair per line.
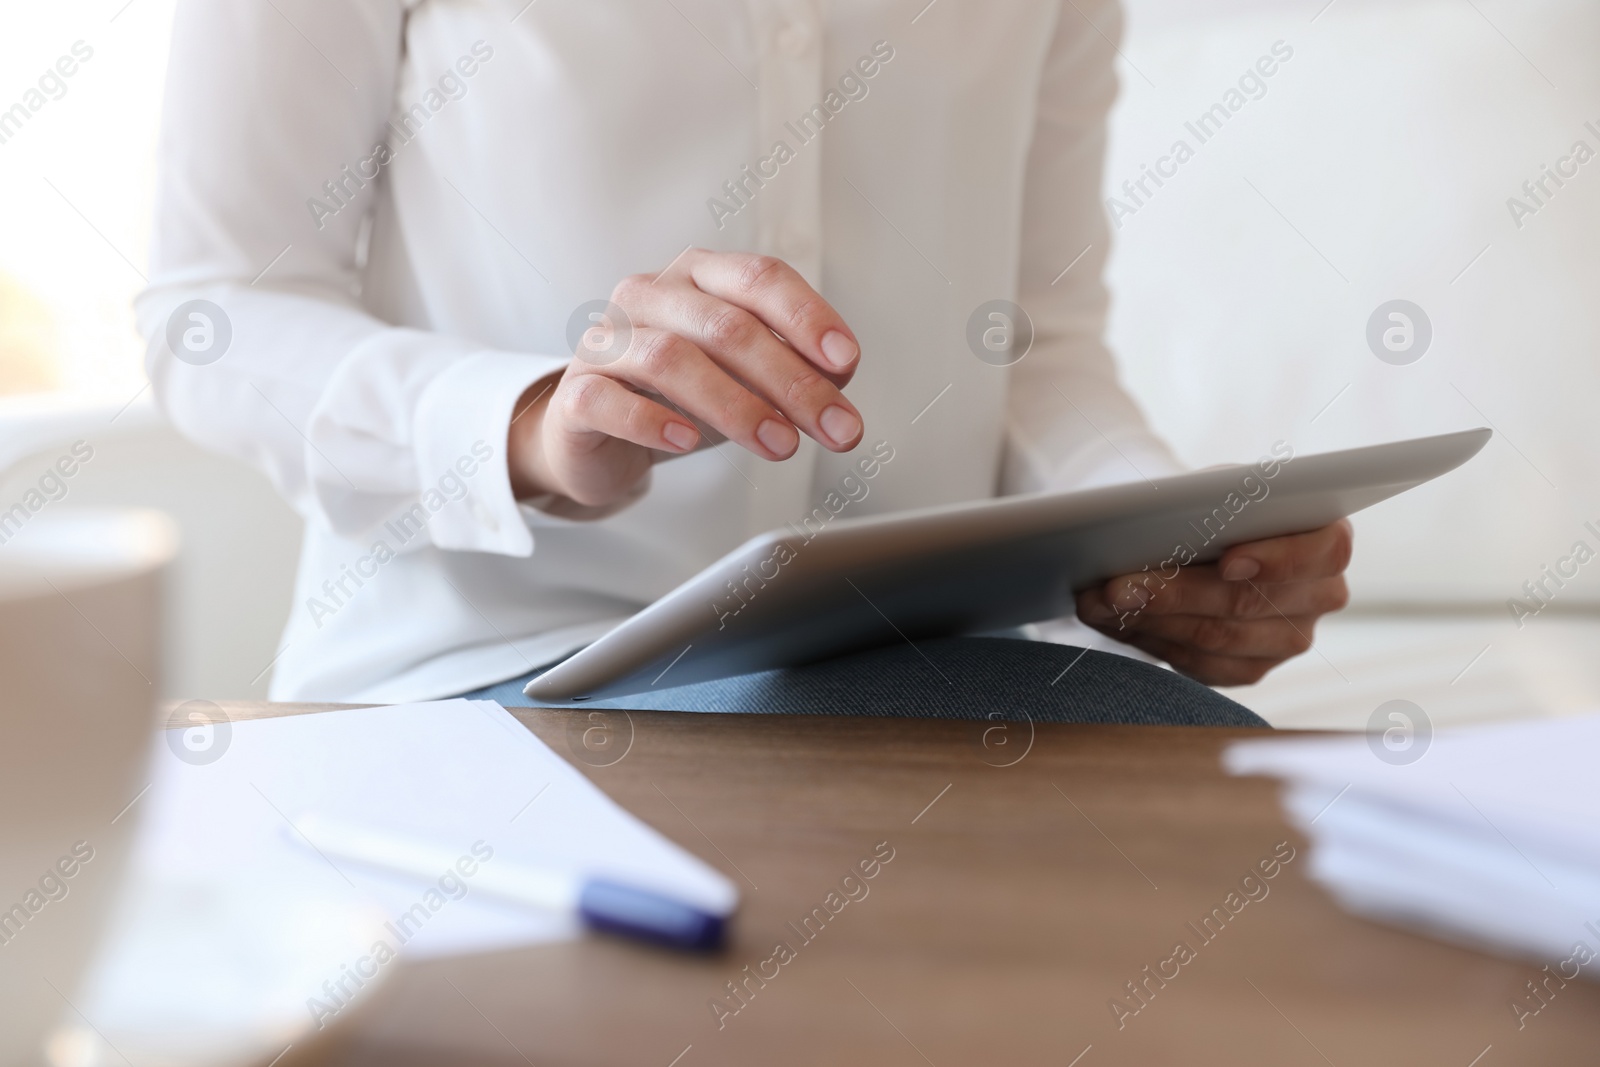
736,342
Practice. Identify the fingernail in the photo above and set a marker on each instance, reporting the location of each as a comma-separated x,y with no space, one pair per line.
840,425
779,438
679,436
839,349
1240,570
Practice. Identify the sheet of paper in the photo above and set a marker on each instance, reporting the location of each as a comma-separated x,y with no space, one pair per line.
1388,864
1532,782
1489,836
235,932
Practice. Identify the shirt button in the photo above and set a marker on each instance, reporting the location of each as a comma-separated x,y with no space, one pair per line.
794,39
482,514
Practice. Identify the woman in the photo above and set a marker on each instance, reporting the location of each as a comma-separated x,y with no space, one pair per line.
385,226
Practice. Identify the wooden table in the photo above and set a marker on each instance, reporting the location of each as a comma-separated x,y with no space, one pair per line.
1019,902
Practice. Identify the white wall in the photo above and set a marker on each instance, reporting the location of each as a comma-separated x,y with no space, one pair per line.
1376,166
228,593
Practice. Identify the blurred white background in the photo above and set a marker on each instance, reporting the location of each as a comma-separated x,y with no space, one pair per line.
1375,165
77,179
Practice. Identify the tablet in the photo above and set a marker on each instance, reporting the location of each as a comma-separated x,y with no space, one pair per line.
798,595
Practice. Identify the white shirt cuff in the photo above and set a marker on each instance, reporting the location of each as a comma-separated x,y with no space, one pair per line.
462,422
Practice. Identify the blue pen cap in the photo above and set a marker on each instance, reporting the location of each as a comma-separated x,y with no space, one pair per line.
620,909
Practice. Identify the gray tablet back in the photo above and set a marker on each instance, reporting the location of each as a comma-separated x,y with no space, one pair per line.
793,596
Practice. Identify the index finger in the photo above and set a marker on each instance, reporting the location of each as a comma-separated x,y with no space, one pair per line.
775,293
1298,557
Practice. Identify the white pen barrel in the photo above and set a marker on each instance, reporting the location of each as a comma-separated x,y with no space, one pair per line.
518,883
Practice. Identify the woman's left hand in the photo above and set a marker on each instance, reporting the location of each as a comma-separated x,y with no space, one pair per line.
1232,621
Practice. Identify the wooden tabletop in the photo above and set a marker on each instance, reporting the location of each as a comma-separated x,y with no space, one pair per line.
1018,904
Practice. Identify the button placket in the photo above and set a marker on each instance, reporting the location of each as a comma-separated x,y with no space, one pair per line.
788,208
794,40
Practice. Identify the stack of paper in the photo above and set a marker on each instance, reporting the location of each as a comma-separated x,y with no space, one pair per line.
1488,835
237,938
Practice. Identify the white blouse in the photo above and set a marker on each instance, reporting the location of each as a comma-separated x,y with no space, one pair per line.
377,219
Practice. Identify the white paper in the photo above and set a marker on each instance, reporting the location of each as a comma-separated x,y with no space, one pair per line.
1491,837
232,923
1388,864
1534,781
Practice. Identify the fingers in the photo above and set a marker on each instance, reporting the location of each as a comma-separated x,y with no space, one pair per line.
1231,623
1201,591
1277,637
1298,557
738,341
721,345
1204,667
596,404
1274,639
775,293
666,363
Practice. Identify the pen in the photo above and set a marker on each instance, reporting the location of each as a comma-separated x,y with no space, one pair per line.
602,904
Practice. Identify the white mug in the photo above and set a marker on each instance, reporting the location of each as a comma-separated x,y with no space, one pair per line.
80,639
